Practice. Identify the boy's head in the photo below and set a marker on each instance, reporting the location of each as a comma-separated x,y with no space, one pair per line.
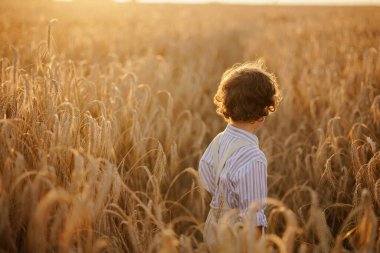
247,92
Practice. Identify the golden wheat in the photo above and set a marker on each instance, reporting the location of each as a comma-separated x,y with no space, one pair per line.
103,123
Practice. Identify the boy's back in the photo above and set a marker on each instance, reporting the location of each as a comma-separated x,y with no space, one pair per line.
243,178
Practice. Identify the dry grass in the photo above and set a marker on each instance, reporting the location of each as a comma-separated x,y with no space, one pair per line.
106,111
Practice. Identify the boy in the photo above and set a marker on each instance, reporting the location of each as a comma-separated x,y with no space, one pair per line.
233,168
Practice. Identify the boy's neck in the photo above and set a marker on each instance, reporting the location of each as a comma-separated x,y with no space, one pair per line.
247,126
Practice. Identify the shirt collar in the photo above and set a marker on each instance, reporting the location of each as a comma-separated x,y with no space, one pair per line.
240,133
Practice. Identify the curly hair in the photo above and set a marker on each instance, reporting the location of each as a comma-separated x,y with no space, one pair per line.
247,92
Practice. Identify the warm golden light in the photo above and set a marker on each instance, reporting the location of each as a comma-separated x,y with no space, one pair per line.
106,109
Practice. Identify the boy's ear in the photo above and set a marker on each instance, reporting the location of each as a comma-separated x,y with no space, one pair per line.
261,119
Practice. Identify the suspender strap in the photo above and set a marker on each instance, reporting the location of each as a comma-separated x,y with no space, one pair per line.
219,164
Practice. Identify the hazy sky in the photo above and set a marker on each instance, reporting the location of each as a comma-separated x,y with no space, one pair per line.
349,2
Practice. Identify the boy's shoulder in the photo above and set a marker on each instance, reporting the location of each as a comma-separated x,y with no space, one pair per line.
251,153
246,153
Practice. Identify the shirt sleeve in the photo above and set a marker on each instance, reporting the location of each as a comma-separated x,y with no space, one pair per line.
207,175
252,187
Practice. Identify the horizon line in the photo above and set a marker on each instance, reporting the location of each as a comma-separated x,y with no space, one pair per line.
260,2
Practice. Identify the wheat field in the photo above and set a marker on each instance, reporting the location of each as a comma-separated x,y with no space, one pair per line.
106,109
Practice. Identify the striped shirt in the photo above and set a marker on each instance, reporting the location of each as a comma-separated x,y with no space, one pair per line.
243,179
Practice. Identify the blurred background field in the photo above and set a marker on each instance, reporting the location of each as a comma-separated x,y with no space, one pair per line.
106,108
